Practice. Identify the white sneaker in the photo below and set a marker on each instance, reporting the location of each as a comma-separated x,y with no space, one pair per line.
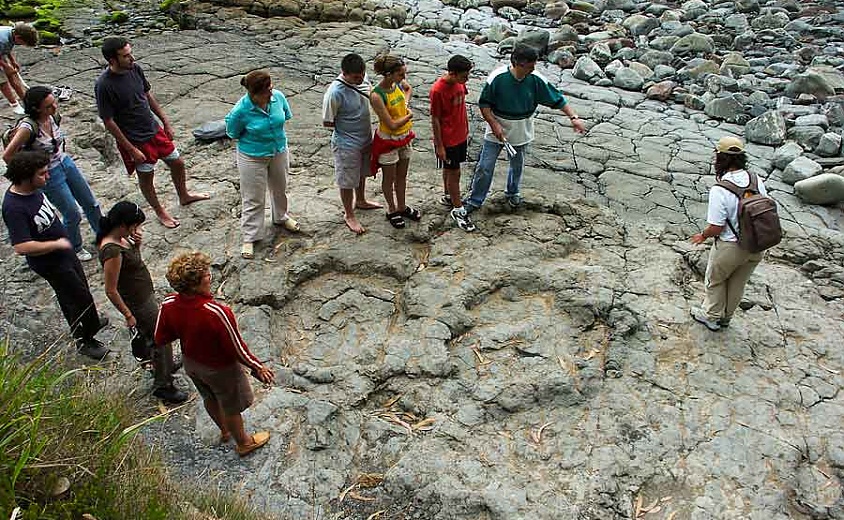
83,255
18,109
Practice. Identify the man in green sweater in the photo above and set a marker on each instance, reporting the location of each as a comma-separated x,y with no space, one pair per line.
508,101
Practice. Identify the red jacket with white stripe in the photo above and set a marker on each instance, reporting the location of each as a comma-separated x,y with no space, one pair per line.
206,329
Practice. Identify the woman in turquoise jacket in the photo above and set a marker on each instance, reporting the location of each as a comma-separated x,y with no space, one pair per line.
257,122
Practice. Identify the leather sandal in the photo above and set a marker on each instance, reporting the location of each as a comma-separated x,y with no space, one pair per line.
248,251
290,225
258,440
396,219
412,213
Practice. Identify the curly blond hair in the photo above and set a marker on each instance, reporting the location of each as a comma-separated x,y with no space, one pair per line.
185,272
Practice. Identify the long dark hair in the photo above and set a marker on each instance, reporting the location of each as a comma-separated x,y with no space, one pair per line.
725,162
33,98
124,213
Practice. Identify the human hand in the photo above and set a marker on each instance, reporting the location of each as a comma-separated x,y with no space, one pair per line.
62,244
697,238
578,126
137,236
498,132
265,375
440,151
169,130
131,322
409,114
138,156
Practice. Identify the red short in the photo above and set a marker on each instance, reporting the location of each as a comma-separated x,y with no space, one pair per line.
159,147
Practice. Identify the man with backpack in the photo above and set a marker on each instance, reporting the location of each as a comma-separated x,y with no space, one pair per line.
744,222
345,109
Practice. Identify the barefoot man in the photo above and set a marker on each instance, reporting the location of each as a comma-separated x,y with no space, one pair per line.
126,106
345,108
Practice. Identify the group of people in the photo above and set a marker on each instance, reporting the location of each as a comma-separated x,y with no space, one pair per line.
46,181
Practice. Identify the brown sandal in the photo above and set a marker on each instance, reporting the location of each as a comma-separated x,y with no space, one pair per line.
258,440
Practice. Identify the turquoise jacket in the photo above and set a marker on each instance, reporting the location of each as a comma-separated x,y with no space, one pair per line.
259,133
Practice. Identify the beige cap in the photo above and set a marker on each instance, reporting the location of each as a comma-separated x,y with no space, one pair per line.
732,145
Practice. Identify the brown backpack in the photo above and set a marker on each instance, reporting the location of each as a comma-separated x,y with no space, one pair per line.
759,224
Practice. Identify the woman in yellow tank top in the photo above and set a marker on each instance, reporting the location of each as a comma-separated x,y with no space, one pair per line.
391,145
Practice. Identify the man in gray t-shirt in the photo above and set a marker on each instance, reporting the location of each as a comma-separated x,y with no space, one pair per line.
345,108
126,105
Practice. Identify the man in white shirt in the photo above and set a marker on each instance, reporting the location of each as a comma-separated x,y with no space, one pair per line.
729,267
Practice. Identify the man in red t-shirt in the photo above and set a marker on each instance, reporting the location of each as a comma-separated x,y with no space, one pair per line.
451,131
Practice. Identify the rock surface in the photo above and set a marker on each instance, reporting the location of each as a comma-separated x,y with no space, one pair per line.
544,367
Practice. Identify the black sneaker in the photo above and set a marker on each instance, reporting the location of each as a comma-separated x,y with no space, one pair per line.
93,349
445,200
461,218
170,394
515,201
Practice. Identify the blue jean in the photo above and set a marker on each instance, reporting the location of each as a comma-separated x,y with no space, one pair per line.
65,187
482,177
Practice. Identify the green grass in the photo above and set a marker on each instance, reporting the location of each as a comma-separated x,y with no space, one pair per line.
58,423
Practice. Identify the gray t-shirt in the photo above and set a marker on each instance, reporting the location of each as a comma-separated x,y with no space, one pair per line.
347,106
44,142
123,97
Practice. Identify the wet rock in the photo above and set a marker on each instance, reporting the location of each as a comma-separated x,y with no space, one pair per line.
800,169
826,188
829,145
628,79
785,154
769,128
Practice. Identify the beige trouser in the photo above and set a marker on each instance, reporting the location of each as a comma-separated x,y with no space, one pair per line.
727,273
256,175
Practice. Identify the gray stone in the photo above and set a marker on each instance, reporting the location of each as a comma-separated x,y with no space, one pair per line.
642,27
747,6
769,128
601,53
623,5
809,83
556,10
499,32
800,169
562,58
693,9
586,69
831,76
563,35
785,154
613,67
642,69
770,20
812,120
727,108
536,38
654,58
664,43
516,4
662,72
829,145
694,43
826,188
737,22
694,102
735,63
807,136
628,79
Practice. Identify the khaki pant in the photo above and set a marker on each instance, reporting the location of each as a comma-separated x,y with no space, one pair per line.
256,175
727,273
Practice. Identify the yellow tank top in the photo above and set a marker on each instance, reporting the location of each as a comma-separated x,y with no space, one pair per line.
397,108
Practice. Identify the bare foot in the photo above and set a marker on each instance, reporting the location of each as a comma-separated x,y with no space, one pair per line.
167,221
354,225
193,197
368,205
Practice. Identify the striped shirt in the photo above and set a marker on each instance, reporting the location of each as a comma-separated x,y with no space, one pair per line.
206,329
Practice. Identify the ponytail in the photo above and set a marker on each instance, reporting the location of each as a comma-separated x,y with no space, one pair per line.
124,213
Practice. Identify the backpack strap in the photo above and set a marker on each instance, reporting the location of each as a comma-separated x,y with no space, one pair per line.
359,91
34,128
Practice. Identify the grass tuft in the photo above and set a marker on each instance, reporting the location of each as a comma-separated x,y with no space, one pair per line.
58,423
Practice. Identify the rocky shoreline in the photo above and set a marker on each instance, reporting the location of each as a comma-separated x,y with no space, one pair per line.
545,366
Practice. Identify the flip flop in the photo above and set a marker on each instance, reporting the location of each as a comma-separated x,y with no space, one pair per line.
411,213
395,220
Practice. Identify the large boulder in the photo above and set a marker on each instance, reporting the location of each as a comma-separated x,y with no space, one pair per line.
640,25
829,145
628,79
563,35
807,136
654,58
661,91
770,20
601,53
735,65
769,128
785,154
694,43
800,169
826,188
812,120
694,9
810,83
587,70
536,38
727,108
